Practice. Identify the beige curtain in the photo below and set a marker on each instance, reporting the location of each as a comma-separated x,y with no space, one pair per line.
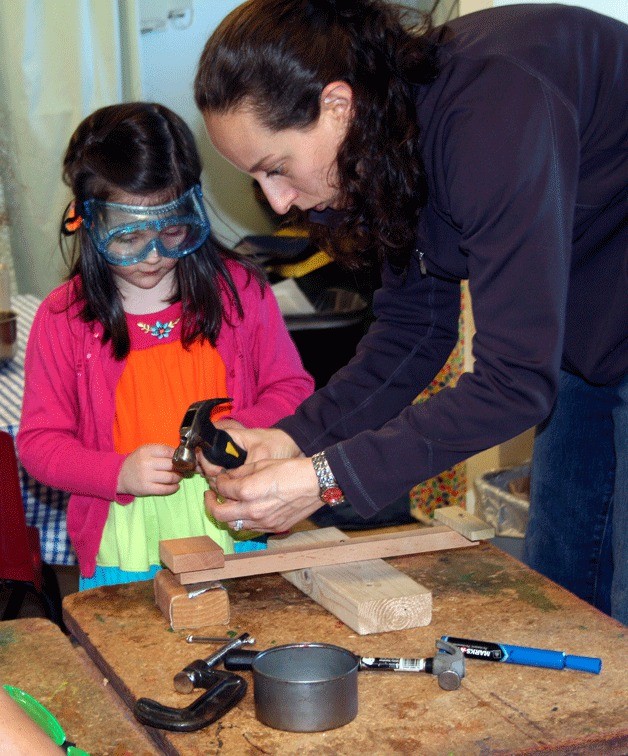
59,60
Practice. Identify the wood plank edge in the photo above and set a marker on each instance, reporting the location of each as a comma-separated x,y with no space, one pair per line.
286,560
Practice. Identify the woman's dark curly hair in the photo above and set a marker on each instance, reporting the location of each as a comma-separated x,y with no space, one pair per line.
277,56
142,148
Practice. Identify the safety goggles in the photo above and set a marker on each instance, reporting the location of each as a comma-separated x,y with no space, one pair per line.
127,234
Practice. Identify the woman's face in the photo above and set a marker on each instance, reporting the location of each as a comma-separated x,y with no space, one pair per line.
294,167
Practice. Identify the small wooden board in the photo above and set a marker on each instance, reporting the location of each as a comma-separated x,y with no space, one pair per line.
369,597
357,549
204,604
188,554
464,523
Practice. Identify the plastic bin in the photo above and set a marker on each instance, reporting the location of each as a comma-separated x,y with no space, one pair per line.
326,308
495,504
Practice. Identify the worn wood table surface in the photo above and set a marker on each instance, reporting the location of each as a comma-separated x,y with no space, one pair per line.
479,593
38,658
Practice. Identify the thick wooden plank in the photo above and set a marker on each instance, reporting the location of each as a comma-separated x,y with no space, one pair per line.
187,554
369,597
204,604
463,522
350,550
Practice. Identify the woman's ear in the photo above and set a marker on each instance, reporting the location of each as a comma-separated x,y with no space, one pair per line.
337,100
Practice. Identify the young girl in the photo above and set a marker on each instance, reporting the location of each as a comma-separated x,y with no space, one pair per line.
155,315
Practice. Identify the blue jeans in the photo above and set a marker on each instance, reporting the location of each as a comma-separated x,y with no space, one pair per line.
577,533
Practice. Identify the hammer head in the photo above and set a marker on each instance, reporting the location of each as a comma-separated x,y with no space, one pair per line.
197,430
449,666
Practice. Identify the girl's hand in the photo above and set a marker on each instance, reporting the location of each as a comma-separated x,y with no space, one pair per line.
148,472
268,496
259,443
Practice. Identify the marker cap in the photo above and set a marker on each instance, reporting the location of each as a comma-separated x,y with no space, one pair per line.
583,663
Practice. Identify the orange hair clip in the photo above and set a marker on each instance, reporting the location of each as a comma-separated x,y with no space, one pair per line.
72,221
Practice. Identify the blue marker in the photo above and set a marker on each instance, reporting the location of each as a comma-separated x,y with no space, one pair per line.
532,657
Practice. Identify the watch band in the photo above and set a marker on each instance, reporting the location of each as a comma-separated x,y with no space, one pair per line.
329,492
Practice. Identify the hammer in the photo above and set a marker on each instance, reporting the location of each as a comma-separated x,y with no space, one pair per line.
447,667
197,430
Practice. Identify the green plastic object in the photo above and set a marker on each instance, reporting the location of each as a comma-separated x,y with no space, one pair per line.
42,717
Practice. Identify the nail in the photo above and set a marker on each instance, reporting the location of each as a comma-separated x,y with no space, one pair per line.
206,639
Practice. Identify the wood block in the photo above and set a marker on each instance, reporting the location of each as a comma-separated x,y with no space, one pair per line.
189,554
191,606
369,596
462,522
354,549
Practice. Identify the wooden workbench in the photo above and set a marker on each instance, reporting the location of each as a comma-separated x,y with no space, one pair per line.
38,658
478,593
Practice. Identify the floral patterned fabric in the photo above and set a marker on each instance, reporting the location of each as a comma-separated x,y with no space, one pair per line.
449,487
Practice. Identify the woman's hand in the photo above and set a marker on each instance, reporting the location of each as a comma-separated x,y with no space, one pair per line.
259,443
228,423
148,471
271,495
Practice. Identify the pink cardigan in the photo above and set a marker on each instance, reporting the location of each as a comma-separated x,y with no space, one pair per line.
65,438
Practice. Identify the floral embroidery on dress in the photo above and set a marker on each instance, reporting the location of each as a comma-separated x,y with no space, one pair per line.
159,330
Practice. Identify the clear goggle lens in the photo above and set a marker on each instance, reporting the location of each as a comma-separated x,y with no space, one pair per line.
127,234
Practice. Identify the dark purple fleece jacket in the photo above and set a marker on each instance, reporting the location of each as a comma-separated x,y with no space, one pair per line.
524,143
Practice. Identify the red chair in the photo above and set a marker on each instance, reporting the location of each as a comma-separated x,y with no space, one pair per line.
22,570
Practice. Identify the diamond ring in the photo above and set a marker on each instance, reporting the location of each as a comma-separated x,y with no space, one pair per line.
238,525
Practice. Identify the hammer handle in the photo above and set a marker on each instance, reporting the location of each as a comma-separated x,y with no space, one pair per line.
224,451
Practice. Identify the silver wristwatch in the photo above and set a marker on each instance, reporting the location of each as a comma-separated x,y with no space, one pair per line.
329,492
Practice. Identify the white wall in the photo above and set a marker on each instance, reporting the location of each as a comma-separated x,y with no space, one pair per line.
615,8
52,74
169,58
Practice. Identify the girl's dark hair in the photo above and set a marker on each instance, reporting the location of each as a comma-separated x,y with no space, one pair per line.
143,148
276,56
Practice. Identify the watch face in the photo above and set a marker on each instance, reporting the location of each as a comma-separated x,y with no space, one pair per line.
332,495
